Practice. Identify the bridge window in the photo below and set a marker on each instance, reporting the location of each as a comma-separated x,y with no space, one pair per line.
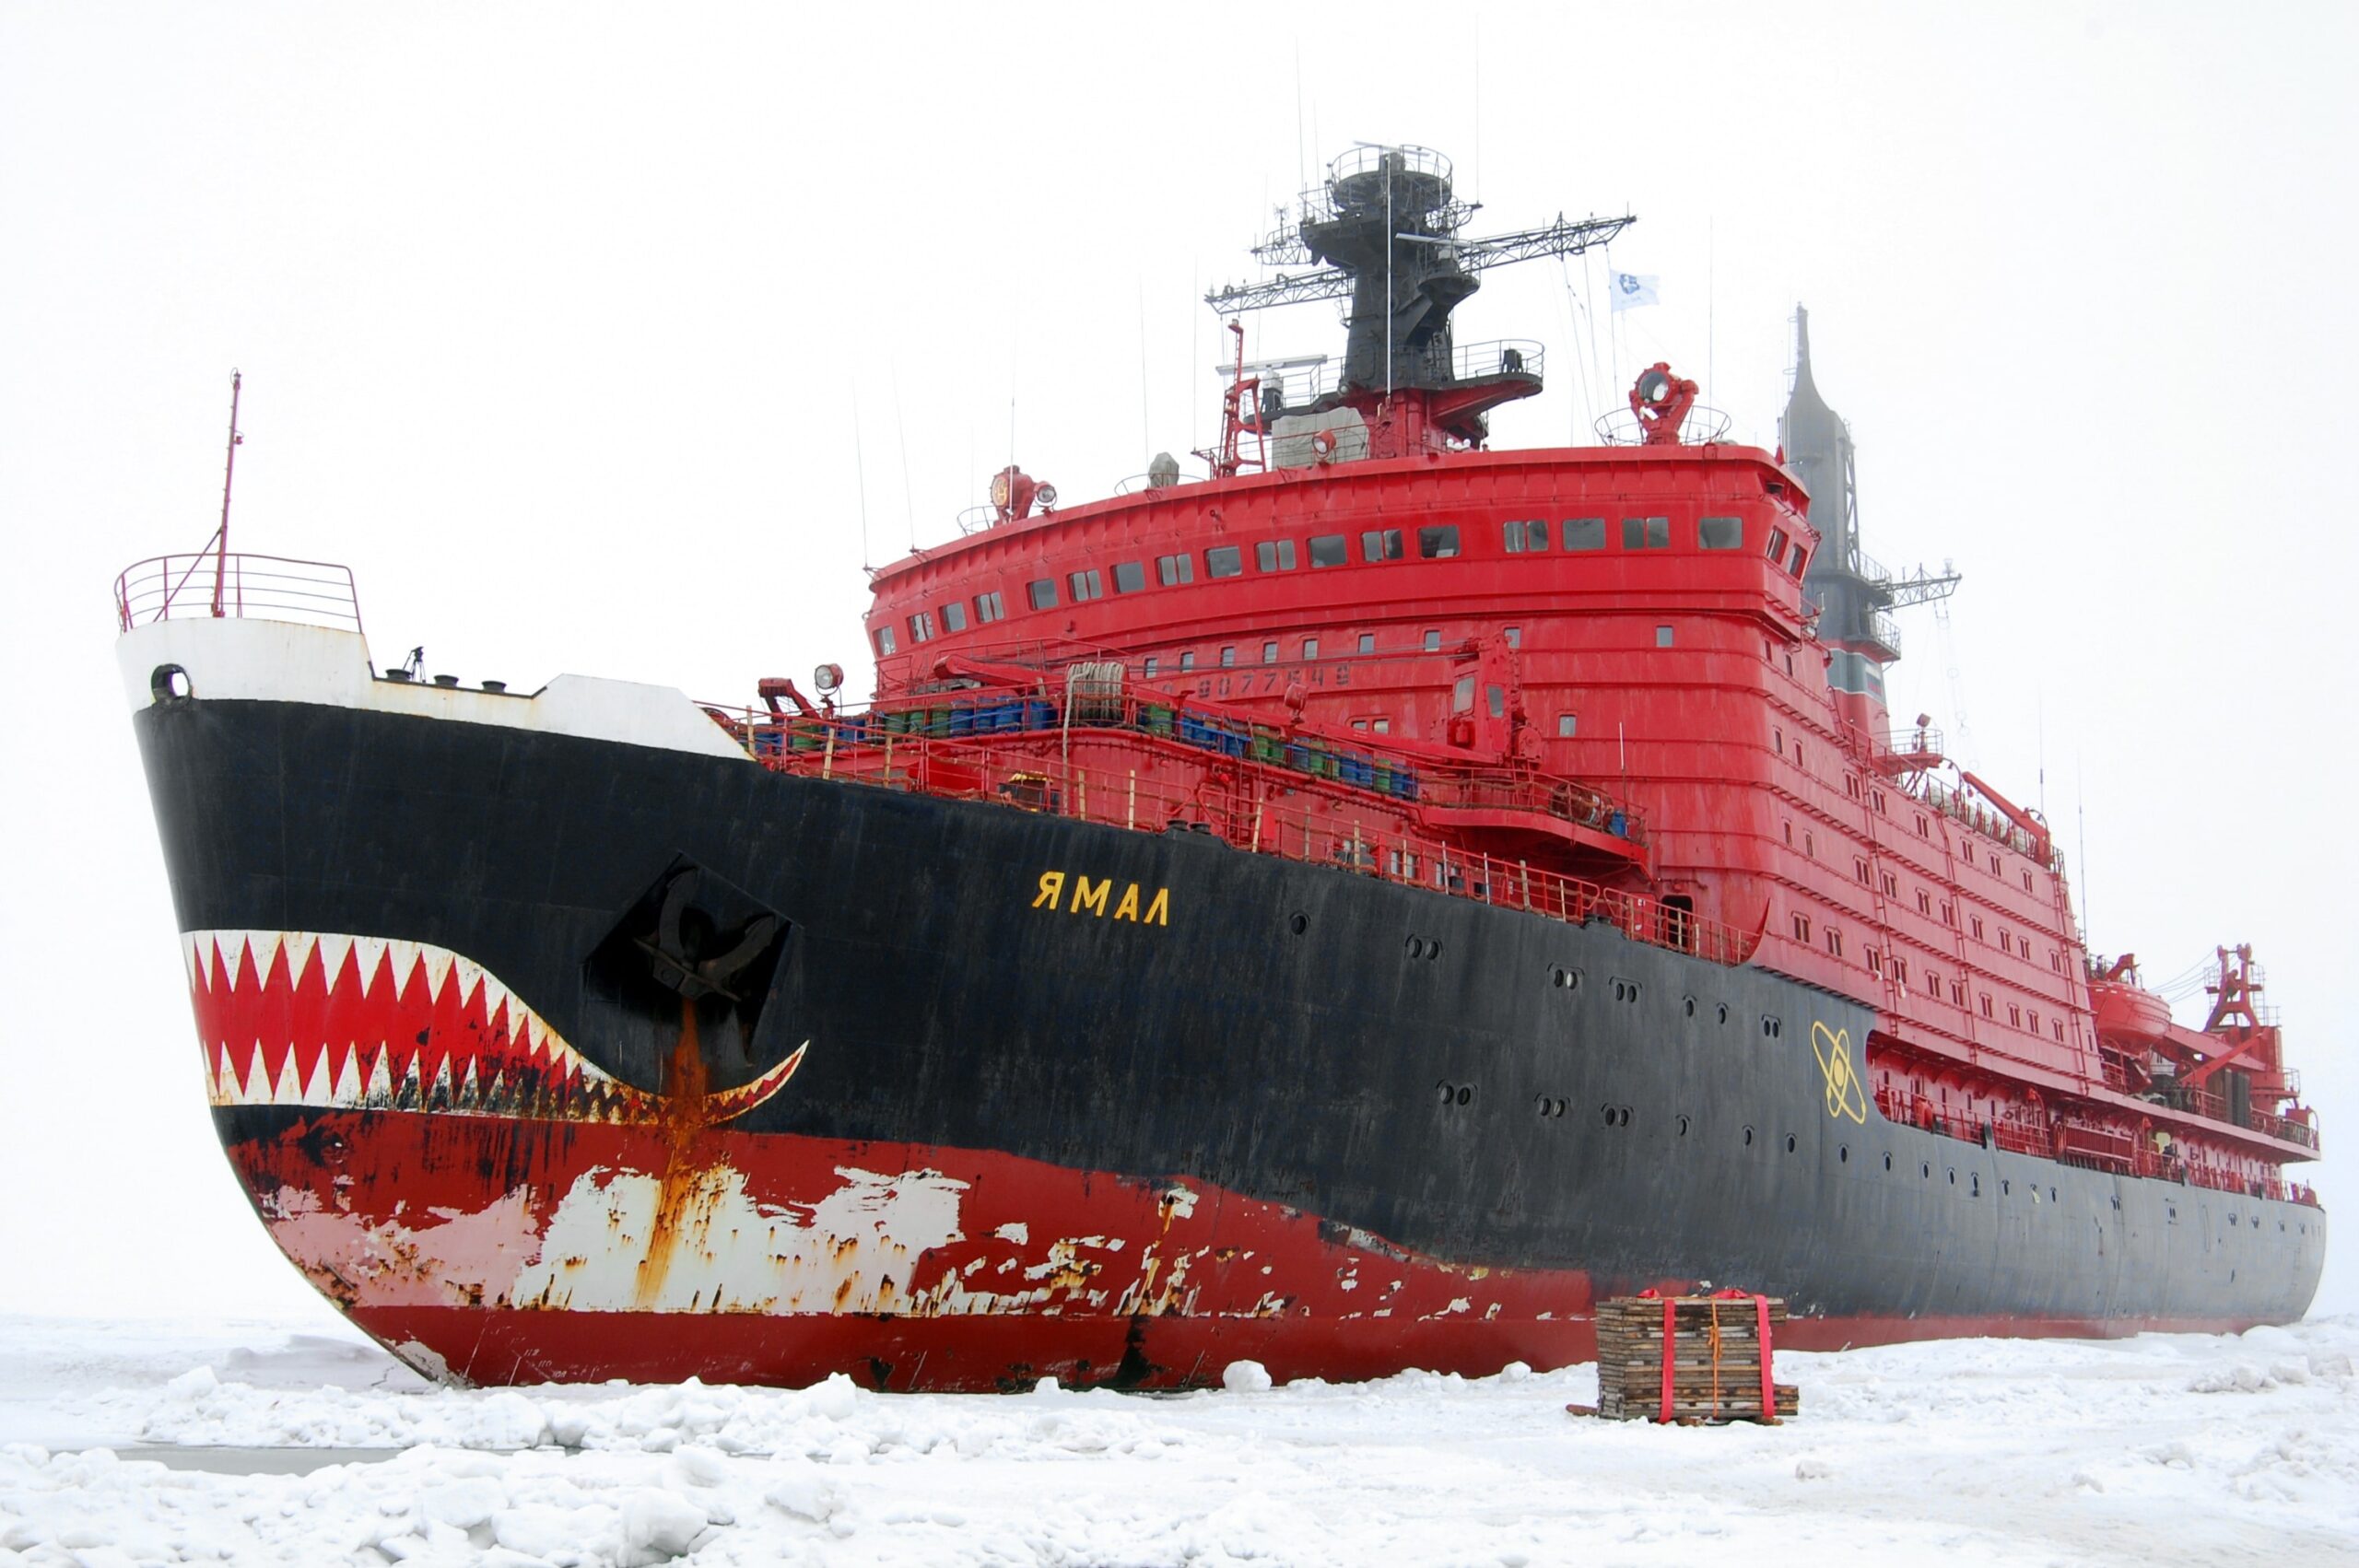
1802,928
1522,536
1328,550
990,607
1461,696
1795,562
1224,560
1129,577
1383,545
1367,642
1720,534
1173,570
1187,661
954,616
1309,648
921,627
1147,670
1584,534
1268,653
1976,922
1986,1004
1834,943
1043,594
1433,642
1275,555
1087,586
1228,658
1513,635
883,642
1438,544
1496,698
1566,724
1662,637
1924,902
1776,544
2058,1025
1646,533
2014,1015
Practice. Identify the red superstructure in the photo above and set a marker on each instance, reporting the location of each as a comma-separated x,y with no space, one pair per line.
1624,668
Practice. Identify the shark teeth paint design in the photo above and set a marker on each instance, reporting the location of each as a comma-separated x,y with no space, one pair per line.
357,1022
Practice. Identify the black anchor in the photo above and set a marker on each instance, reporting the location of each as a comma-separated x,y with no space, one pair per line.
688,957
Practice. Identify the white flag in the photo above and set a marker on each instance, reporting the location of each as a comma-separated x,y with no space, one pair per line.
1632,289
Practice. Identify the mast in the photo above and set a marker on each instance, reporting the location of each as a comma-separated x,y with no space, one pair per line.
229,472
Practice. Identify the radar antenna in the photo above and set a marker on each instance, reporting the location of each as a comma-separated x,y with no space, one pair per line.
1386,230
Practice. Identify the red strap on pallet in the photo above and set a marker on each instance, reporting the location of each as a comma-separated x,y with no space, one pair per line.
1768,1386
1670,1351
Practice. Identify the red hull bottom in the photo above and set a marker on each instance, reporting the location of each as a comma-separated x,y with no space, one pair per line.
903,1356
654,1254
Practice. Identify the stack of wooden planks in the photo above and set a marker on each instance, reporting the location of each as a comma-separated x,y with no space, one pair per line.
1716,1366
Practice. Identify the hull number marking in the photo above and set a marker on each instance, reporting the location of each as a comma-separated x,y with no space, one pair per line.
1081,893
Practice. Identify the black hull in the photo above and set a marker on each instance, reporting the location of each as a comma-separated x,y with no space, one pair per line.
1398,1062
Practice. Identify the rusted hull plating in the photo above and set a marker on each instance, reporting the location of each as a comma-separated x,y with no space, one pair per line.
487,1202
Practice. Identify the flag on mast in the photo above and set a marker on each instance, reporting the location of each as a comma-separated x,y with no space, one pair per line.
1633,289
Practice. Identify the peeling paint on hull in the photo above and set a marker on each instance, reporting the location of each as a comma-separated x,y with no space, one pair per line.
970,1142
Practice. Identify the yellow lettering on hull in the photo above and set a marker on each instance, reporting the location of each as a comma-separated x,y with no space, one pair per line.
1093,896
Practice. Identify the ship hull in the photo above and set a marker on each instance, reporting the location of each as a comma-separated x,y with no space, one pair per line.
1008,1095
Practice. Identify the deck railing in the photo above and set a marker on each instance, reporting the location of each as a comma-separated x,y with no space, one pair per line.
2075,1140
1286,796
237,587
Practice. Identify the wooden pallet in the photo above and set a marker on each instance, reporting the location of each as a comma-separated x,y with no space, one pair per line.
1719,1359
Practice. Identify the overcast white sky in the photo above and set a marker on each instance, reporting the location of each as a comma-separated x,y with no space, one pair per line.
562,326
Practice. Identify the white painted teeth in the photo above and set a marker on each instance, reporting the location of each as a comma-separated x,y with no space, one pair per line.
511,1064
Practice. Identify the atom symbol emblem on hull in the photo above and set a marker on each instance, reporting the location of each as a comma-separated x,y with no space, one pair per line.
1845,1094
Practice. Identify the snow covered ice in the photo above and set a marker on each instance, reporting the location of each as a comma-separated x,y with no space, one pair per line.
2164,1449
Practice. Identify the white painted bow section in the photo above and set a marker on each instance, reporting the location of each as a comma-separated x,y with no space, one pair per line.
279,662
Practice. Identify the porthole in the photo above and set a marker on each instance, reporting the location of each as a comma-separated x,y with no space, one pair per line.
1926,1170
168,682
1790,1143
1624,1117
1974,1185
1621,990
1606,1114
1417,947
1748,1138
1724,1012
1689,1003
1298,923
1432,949
2051,1195
1953,1175
1843,1154
2006,1187
1447,1091
1683,1132
1887,1161
1465,1094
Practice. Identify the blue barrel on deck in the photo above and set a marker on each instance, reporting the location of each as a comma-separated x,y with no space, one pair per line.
1038,715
